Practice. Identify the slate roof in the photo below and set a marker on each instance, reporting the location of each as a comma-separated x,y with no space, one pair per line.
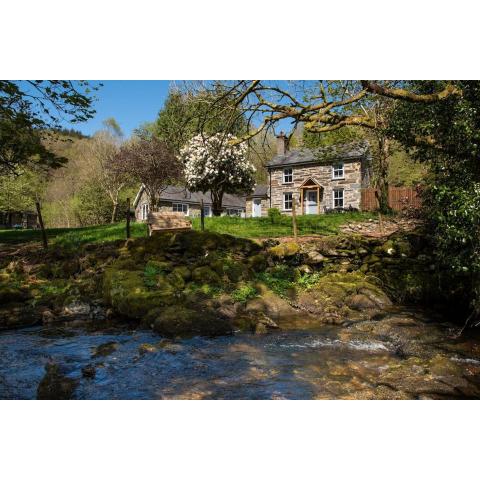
260,191
181,194
346,151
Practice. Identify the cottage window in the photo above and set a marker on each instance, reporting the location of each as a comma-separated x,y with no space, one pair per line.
234,212
288,175
287,201
145,211
180,208
338,198
338,171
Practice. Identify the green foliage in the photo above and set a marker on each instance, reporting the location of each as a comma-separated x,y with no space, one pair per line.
404,171
274,215
20,192
183,116
309,280
29,109
244,293
446,135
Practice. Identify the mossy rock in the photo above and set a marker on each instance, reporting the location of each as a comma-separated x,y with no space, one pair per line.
217,266
11,294
159,266
180,320
205,275
183,271
258,262
127,293
176,280
287,249
234,270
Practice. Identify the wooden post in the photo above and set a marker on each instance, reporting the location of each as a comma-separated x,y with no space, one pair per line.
302,212
128,217
202,216
294,218
42,227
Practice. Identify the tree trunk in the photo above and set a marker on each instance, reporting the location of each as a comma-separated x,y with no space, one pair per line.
382,175
217,198
114,212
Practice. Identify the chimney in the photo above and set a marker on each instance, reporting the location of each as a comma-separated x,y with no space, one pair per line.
282,144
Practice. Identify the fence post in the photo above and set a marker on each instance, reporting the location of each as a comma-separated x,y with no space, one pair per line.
294,218
42,226
202,216
128,217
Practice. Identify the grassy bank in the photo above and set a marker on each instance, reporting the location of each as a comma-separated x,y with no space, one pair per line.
74,236
240,227
263,227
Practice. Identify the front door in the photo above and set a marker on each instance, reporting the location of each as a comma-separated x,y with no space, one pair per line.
257,207
311,202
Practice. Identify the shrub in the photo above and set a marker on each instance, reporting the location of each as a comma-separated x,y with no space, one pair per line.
274,215
244,293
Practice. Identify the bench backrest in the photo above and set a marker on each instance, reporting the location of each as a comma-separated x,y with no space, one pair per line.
168,221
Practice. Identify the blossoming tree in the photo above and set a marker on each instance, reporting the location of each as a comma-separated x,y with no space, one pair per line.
218,165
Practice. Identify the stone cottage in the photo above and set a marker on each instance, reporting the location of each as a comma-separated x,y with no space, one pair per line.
179,199
317,180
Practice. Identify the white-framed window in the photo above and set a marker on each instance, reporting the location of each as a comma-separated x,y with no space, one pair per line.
338,198
207,211
234,212
180,208
145,210
287,200
288,175
338,170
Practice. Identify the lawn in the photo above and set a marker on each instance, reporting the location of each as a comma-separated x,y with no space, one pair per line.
75,236
263,227
240,227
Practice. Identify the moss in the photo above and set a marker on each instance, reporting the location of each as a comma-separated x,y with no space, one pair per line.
287,249
244,293
205,275
176,280
183,271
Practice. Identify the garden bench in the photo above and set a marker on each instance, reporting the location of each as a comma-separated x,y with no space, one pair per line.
167,222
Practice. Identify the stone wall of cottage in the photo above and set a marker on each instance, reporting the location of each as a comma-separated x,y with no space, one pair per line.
322,174
249,207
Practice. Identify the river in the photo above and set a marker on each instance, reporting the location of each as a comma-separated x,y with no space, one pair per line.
326,362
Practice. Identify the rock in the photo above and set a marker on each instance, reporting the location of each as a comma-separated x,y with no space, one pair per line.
315,258
305,269
183,271
258,263
173,348
89,371
48,317
205,275
147,348
360,301
180,320
105,349
269,304
77,308
55,385
260,329
175,279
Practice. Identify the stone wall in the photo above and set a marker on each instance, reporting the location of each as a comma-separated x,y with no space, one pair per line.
322,174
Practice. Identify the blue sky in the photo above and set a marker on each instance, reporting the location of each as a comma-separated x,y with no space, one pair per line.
130,102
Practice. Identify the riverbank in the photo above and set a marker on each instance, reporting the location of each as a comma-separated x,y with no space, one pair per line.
204,283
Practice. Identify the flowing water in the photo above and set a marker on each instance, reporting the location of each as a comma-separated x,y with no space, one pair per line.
327,362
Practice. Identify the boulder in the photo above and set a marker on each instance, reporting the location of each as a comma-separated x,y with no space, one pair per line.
55,385
287,249
205,275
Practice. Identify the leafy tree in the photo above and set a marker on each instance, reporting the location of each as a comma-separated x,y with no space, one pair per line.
446,136
29,110
185,114
215,164
150,162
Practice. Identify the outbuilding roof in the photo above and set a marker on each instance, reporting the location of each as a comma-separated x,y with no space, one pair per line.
357,150
183,195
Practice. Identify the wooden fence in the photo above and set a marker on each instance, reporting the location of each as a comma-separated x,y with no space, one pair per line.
399,198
